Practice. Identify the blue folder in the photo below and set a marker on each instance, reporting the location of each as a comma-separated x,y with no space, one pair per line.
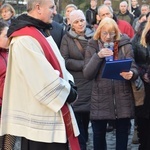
112,69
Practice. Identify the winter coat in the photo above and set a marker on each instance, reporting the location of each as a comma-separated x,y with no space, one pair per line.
142,59
142,54
110,98
125,27
58,18
74,60
3,64
91,16
136,12
127,17
65,25
57,32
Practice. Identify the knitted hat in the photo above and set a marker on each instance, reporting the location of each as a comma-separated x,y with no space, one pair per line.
75,15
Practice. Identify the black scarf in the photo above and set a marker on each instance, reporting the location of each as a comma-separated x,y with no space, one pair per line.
25,20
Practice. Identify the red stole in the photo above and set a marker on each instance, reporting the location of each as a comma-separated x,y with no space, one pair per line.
49,54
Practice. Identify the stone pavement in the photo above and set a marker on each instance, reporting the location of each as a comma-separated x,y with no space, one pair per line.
111,140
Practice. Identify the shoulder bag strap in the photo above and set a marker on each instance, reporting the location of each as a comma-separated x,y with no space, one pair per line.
79,46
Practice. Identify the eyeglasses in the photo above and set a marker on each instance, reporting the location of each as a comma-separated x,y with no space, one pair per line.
111,34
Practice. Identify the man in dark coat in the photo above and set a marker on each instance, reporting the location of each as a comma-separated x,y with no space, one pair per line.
57,32
91,13
124,14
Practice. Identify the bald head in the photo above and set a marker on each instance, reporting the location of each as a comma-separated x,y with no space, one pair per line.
32,3
43,10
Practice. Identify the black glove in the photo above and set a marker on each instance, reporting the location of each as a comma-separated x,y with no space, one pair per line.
73,93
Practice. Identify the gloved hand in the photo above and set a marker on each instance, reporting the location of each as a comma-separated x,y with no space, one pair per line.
73,93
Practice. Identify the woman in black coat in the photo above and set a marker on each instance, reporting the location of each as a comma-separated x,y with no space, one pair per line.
141,47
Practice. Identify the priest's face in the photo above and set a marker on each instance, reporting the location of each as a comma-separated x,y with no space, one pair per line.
47,11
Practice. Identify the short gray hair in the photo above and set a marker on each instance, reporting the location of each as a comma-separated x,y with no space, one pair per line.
123,2
145,5
31,4
105,6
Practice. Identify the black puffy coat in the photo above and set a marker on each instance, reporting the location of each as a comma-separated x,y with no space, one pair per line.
142,59
57,32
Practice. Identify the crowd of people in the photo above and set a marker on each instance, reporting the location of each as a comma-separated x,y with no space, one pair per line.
51,83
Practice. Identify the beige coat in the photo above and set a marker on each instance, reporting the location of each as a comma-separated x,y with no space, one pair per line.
34,93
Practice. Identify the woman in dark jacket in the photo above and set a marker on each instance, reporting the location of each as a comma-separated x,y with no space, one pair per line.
141,47
111,99
73,48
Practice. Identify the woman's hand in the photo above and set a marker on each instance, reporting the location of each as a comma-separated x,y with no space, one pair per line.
105,52
127,75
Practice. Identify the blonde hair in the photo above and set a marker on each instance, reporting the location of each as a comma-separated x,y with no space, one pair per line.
9,8
71,5
111,24
145,31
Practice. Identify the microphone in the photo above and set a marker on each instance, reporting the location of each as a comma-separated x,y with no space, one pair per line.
106,45
111,47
